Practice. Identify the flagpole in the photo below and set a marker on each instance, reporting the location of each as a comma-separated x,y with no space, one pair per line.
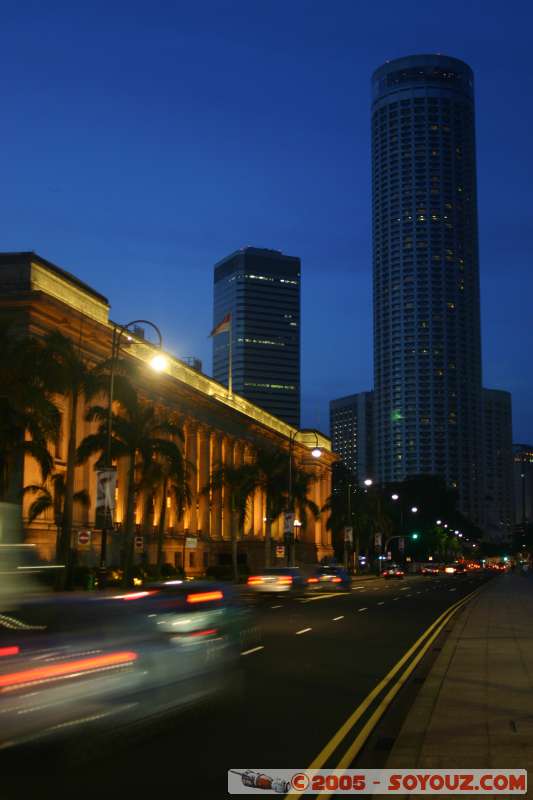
230,359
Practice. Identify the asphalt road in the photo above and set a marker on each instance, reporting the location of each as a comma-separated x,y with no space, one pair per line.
317,660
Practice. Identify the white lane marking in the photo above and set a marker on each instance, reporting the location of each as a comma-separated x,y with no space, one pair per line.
419,592
253,650
404,589
396,598
304,630
322,597
408,595
336,619
276,606
453,590
381,603
363,609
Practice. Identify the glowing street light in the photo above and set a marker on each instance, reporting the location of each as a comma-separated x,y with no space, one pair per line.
395,497
368,482
414,509
316,452
159,363
439,522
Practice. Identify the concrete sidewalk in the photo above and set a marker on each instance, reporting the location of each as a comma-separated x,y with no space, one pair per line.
475,709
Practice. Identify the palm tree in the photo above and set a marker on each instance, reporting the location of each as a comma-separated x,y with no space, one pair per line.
168,474
271,476
240,483
301,503
139,432
53,499
71,376
29,419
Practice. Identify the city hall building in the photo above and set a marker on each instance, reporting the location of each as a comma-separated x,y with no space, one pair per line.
219,428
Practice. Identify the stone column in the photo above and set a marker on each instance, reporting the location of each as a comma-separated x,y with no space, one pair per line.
202,478
191,449
216,495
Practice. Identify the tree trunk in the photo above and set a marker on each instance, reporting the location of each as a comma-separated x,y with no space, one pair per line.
161,529
268,541
129,522
64,554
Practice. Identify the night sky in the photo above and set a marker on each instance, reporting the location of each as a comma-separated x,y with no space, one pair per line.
143,141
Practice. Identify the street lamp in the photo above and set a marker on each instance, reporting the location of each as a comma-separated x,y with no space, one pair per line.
395,497
368,482
158,364
414,509
439,522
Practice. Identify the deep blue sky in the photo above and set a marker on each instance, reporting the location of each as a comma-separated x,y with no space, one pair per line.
143,141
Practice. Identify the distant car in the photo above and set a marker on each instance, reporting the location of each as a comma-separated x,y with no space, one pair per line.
86,662
429,570
277,580
329,578
457,568
393,571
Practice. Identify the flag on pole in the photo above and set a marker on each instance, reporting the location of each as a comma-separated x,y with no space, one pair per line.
223,325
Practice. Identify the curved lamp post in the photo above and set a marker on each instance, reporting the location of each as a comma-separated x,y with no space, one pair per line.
158,364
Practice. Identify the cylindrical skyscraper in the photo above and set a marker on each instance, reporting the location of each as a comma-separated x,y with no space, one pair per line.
427,348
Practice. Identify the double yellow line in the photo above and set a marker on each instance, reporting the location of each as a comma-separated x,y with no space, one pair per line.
420,647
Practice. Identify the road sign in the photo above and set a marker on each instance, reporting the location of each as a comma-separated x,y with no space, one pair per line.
139,543
190,542
288,521
84,538
348,534
280,551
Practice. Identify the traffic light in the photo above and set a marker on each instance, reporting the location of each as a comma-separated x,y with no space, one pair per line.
414,535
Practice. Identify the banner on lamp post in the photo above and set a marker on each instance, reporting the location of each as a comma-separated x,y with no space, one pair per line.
106,484
348,534
377,540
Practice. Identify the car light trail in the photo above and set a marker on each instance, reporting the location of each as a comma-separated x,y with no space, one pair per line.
65,669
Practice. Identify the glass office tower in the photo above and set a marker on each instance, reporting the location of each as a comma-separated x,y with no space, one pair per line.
427,349
261,290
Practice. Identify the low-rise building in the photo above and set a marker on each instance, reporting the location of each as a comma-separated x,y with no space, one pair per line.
220,427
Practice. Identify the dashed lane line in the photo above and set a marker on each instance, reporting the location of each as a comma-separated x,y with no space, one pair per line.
304,630
252,650
336,619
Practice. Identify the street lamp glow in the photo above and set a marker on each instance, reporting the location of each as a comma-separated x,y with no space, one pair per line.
414,509
316,452
159,363
395,496
439,522
368,482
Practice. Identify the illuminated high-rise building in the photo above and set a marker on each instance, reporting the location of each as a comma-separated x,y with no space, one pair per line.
427,344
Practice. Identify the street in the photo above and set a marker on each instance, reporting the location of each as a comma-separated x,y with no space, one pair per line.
317,660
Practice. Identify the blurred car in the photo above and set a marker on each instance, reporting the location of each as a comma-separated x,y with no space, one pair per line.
393,571
77,663
456,568
329,578
277,580
429,570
